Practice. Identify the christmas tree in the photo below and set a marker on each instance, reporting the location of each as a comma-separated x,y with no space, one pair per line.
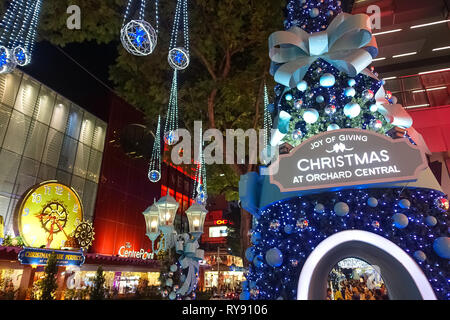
324,85
48,284
98,291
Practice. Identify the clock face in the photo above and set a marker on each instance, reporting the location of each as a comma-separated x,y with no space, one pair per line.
48,214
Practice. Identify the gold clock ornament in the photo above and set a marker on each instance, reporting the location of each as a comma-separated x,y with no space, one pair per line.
84,234
47,214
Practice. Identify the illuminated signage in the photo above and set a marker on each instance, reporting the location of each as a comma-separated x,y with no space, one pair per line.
223,222
217,232
126,252
347,157
39,257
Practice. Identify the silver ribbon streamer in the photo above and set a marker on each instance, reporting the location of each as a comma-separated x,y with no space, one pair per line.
347,44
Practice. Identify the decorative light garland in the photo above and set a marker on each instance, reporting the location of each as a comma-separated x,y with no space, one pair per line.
267,117
154,170
200,192
18,30
179,57
138,37
171,125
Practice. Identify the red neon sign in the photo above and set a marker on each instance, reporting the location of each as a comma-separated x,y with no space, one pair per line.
223,222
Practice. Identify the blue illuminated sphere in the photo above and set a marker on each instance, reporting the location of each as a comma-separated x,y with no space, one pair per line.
154,176
349,92
21,56
327,80
302,85
258,261
274,257
288,229
351,82
420,255
320,99
250,254
442,247
352,110
372,202
404,204
6,61
138,37
319,208
314,13
310,115
256,237
400,220
333,126
178,58
373,107
288,97
341,209
431,221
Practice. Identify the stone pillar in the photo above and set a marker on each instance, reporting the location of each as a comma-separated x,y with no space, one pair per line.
26,281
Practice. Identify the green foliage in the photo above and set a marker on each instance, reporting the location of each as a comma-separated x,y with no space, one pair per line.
98,291
48,284
9,241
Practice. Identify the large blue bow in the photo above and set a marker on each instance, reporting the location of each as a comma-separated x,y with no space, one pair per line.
190,257
347,44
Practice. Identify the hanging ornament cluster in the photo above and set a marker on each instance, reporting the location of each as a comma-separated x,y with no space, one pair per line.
154,170
179,56
200,194
18,33
138,36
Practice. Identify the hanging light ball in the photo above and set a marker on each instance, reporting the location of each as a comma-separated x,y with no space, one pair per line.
368,94
171,137
21,56
352,110
349,92
297,134
178,58
373,107
320,99
154,176
138,37
298,104
351,82
327,80
311,115
442,203
6,62
330,109
376,124
332,127
302,85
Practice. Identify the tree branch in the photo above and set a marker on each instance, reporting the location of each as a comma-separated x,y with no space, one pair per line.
205,62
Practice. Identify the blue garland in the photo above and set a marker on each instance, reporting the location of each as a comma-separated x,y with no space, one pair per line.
269,232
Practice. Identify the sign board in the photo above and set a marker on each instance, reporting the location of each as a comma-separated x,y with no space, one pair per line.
39,257
347,157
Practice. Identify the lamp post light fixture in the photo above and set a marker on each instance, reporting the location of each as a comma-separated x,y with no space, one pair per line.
196,215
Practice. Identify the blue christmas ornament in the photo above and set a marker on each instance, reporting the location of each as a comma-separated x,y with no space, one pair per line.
252,284
274,257
319,208
373,107
332,126
310,115
349,92
245,295
250,254
400,220
288,97
351,82
327,80
154,176
320,99
372,202
420,255
173,268
256,237
244,285
352,110
258,261
172,295
404,204
169,282
288,229
302,85
341,209
442,247
314,12
431,221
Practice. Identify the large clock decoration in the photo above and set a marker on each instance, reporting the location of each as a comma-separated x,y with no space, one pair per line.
48,215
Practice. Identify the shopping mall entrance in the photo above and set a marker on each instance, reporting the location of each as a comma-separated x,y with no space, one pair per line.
401,277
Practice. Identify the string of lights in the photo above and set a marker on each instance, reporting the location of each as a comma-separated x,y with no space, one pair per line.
154,170
179,57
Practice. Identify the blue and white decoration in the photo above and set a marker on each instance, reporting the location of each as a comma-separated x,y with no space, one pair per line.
179,56
200,192
154,170
171,125
18,30
138,36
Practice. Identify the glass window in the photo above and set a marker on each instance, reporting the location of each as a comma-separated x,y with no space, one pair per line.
36,141
68,152
63,177
17,132
9,85
82,160
4,203
89,197
78,185
45,104
60,114
47,172
74,121
87,129
99,135
27,96
5,114
8,170
95,163
52,147
29,167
